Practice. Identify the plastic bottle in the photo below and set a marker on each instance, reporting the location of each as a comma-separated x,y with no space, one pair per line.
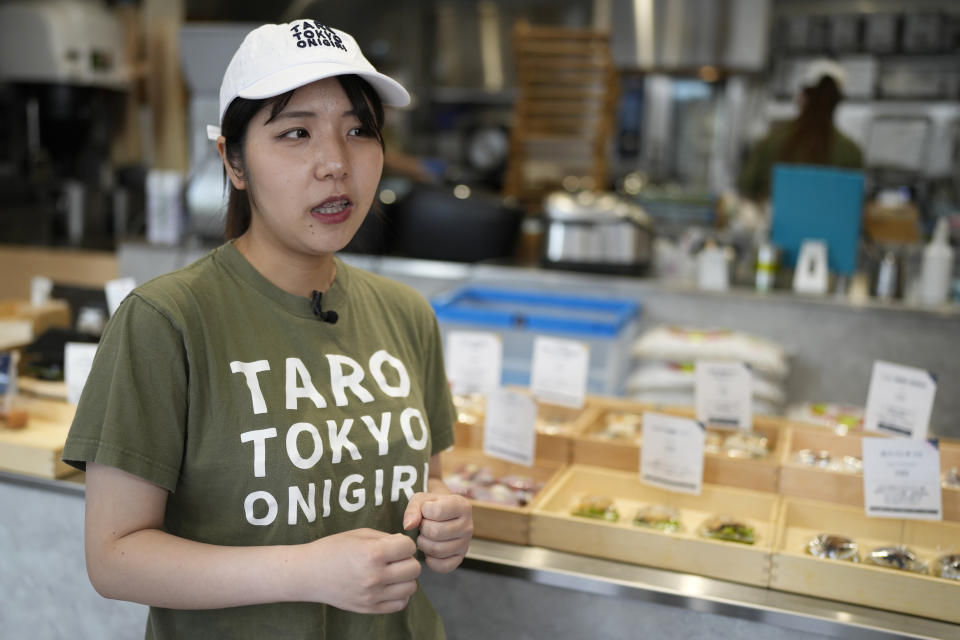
936,272
766,267
713,268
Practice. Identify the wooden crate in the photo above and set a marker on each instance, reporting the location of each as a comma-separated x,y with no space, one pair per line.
760,474
803,481
37,448
793,569
496,521
798,480
75,267
950,458
556,428
553,526
21,322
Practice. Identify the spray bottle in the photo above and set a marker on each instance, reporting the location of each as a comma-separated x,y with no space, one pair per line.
936,272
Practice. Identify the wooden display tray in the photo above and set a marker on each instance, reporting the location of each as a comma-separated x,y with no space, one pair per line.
497,521
553,526
757,474
552,444
802,481
798,480
794,570
21,322
37,448
950,457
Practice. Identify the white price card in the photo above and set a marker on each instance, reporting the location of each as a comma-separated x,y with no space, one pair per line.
77,361
117,290
901,478
509,429
560,369
40,289
900,400
672,453
474,361
724,392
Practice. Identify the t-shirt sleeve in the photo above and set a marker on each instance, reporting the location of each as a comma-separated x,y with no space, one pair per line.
132,412
437,399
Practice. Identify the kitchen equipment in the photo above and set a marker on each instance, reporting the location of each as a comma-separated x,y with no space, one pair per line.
63,74
887,282
881,32
69,42
922,33
599,232
898,142
454,223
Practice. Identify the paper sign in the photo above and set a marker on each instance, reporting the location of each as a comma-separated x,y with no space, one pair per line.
672,453
77,361
474,361
900,400
724,392
901,478
40,289
117,290
560,369
509,429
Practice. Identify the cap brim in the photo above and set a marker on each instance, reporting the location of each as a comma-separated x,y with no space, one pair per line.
391,92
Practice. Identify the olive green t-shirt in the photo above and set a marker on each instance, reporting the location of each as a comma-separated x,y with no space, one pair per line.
754,179
268,426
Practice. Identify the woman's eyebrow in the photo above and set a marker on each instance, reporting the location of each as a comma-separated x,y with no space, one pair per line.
289,115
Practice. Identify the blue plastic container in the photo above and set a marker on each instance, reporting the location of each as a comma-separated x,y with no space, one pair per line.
607,325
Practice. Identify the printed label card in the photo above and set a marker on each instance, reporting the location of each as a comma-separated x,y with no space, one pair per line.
901,478
724,394
900,400
672,454
117,290
560,369
509,428
77,361
474,361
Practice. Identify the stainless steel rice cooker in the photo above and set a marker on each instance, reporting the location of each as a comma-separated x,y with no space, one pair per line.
600,232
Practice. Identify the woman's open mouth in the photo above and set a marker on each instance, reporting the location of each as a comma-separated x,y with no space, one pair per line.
333,210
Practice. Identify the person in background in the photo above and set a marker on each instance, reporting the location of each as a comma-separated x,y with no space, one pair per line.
811,138
262,430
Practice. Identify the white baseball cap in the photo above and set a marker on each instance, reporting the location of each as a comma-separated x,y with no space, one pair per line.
824,67
276,58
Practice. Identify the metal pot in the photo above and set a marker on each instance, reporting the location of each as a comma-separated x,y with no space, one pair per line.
599,232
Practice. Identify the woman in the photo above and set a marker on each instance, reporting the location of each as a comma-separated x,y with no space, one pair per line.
810,139
262,430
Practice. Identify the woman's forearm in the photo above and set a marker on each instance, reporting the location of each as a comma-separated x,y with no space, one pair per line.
130,557
156,568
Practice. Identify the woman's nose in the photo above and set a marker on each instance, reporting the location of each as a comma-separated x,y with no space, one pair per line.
332,161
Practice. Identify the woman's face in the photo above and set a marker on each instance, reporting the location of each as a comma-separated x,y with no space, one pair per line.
311,172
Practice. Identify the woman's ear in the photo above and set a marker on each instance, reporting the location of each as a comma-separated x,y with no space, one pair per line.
235,172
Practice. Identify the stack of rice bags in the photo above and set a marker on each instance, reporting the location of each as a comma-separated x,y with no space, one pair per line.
665,358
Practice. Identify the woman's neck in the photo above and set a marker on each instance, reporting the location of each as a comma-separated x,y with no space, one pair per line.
294,273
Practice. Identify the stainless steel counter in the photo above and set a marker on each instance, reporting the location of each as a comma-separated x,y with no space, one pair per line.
707,595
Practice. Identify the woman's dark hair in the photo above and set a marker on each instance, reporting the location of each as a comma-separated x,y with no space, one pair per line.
364,100
811,134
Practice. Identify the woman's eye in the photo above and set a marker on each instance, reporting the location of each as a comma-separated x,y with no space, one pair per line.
360,131
299,132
